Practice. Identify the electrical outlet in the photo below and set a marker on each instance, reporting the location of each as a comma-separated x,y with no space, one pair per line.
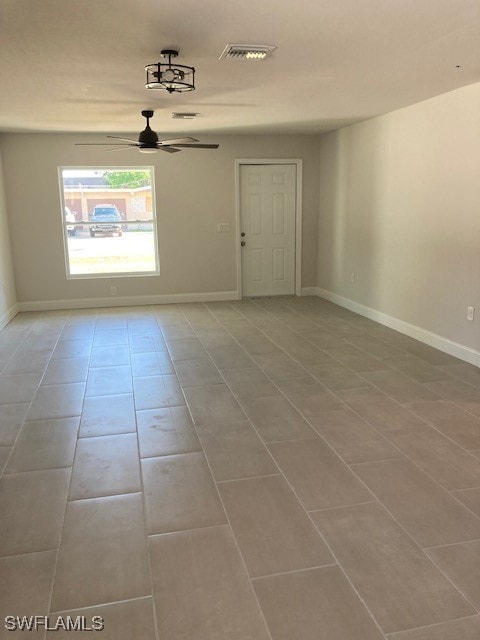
223,227
470,313
113,291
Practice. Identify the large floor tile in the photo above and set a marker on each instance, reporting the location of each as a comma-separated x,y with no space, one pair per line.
417,369
355,359
105,466
156,363
32,505
428,512
27,362
230,357
317,475
157,391
313,604
465,629
395,579
178,332
257,343
470,498
19,388
121,620
188,349
12,417
166,431
109,356
353,438
446,462
381,412
78,331
66,370
273,531
147,343
399,387
275,419
197,373
249,383
454,390
104,538
4,455
107,381
374,347
180,493
25,588
73,349
44,444
336,377
279,366
57,401
110,337
461,563
213,404
460,426
466,372
309,396
201,589
235,451
107,415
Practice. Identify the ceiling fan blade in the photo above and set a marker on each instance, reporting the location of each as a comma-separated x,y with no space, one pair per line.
176,141
199,146
168,149
103,144
124,139
120,148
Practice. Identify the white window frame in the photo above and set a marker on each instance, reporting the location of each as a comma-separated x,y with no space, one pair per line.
114,274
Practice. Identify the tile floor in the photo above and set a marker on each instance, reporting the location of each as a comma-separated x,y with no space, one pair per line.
254,470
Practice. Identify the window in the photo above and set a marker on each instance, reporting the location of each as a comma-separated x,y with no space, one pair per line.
109,223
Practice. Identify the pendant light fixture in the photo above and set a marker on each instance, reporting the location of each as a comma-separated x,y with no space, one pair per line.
170,76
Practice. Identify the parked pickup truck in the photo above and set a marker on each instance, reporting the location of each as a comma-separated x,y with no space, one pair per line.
105,220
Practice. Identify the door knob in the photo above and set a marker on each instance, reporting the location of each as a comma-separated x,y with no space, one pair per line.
243,243
242,234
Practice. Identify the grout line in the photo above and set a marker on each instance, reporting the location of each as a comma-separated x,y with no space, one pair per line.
101,604
452,544
286,573
267,475
405,633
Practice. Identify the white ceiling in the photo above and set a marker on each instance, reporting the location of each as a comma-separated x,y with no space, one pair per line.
78,65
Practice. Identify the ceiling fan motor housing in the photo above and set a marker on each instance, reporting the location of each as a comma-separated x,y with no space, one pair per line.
148,137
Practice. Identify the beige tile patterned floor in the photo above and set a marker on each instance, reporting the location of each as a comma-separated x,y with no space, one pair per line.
257,470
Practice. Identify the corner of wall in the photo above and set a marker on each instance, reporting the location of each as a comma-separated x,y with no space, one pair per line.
8,295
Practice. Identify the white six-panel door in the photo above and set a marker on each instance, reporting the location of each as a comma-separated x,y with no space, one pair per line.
267,218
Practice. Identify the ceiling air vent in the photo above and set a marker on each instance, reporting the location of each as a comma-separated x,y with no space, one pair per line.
247,51
184,116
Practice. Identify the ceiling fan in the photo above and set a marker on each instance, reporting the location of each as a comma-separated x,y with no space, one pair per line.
148,141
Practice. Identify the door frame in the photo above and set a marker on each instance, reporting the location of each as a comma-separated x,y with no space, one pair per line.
298,217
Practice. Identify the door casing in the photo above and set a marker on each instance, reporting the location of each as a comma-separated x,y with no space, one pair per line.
298,217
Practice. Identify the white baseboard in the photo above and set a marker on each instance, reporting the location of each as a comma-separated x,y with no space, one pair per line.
8,315
126,301
423,335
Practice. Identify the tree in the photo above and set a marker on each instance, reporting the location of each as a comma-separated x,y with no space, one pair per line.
127,179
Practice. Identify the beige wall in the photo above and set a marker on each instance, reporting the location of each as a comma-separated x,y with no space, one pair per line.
8,297
400,208
195,190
